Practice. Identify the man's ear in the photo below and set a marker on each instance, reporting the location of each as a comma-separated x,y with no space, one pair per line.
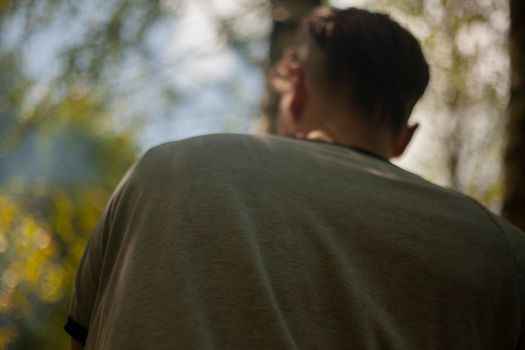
403,139
298,94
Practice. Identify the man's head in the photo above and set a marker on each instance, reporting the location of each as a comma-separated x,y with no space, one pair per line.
354,76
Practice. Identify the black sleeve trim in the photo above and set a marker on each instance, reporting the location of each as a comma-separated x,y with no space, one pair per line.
76,331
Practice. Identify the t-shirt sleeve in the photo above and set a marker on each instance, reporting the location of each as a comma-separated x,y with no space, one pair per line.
86,287
86,283
516,239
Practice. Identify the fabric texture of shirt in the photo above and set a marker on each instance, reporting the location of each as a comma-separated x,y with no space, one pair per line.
262,242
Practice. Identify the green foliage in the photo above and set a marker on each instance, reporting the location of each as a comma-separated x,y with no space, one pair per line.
60,158
47,210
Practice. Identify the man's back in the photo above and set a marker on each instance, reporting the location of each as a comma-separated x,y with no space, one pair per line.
245,242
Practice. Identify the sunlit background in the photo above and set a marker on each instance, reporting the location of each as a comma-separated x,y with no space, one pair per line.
86,86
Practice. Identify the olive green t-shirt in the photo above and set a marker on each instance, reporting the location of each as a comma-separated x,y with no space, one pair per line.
263,242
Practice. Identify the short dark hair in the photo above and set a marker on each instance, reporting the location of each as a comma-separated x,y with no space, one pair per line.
380,62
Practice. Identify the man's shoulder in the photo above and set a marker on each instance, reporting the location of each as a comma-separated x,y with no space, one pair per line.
228,148
208,142
194,148
516,239
203,155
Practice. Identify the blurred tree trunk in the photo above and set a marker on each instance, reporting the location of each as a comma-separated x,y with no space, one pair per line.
514,201
287,15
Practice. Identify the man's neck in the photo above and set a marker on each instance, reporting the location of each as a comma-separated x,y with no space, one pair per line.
375,142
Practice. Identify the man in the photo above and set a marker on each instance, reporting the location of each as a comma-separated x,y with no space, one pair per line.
314,241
